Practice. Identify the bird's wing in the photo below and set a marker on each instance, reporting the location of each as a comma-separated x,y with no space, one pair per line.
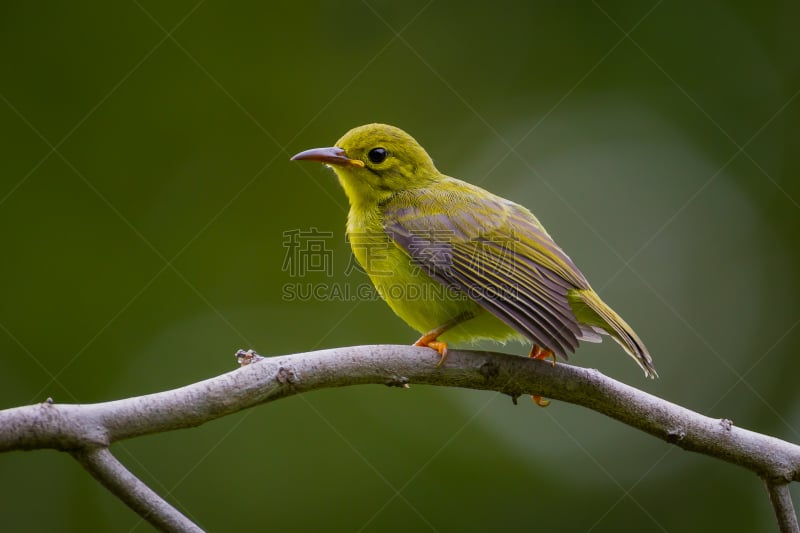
497,253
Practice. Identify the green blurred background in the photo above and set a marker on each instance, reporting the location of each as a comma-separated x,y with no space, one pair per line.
145,189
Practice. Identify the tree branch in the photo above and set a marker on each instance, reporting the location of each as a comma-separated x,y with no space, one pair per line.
81,429
106,469
781,501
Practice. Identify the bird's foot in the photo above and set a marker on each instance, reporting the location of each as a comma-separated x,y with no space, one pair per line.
538,400
537,352
429,341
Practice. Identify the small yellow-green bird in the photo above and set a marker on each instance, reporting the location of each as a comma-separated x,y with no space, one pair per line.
458,263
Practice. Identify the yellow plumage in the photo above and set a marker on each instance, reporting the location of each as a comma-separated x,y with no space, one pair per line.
456,262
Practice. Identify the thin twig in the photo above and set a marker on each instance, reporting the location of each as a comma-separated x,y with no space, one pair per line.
781,500
106,469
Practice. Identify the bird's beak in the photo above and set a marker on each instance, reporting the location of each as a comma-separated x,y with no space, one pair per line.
331,156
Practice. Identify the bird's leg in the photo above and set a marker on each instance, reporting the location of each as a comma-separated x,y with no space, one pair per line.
537,352
429,340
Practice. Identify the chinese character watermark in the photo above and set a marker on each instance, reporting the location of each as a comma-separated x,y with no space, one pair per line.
307,251
478,269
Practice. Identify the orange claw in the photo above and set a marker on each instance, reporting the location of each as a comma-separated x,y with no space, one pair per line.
440,347
429,341
537,352
538,400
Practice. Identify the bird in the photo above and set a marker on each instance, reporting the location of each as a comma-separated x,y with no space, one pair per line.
458,263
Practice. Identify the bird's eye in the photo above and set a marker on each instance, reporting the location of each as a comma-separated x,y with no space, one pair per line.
377,155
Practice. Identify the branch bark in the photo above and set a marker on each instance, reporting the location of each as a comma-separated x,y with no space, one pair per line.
86,431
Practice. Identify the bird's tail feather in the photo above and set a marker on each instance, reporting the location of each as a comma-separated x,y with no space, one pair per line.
614,325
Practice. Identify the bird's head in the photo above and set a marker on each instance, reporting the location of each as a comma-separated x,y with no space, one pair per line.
374,162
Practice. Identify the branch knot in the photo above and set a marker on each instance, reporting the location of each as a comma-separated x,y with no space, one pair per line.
398,381
286,375
675,435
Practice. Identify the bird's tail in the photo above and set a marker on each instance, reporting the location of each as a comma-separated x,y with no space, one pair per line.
591,310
